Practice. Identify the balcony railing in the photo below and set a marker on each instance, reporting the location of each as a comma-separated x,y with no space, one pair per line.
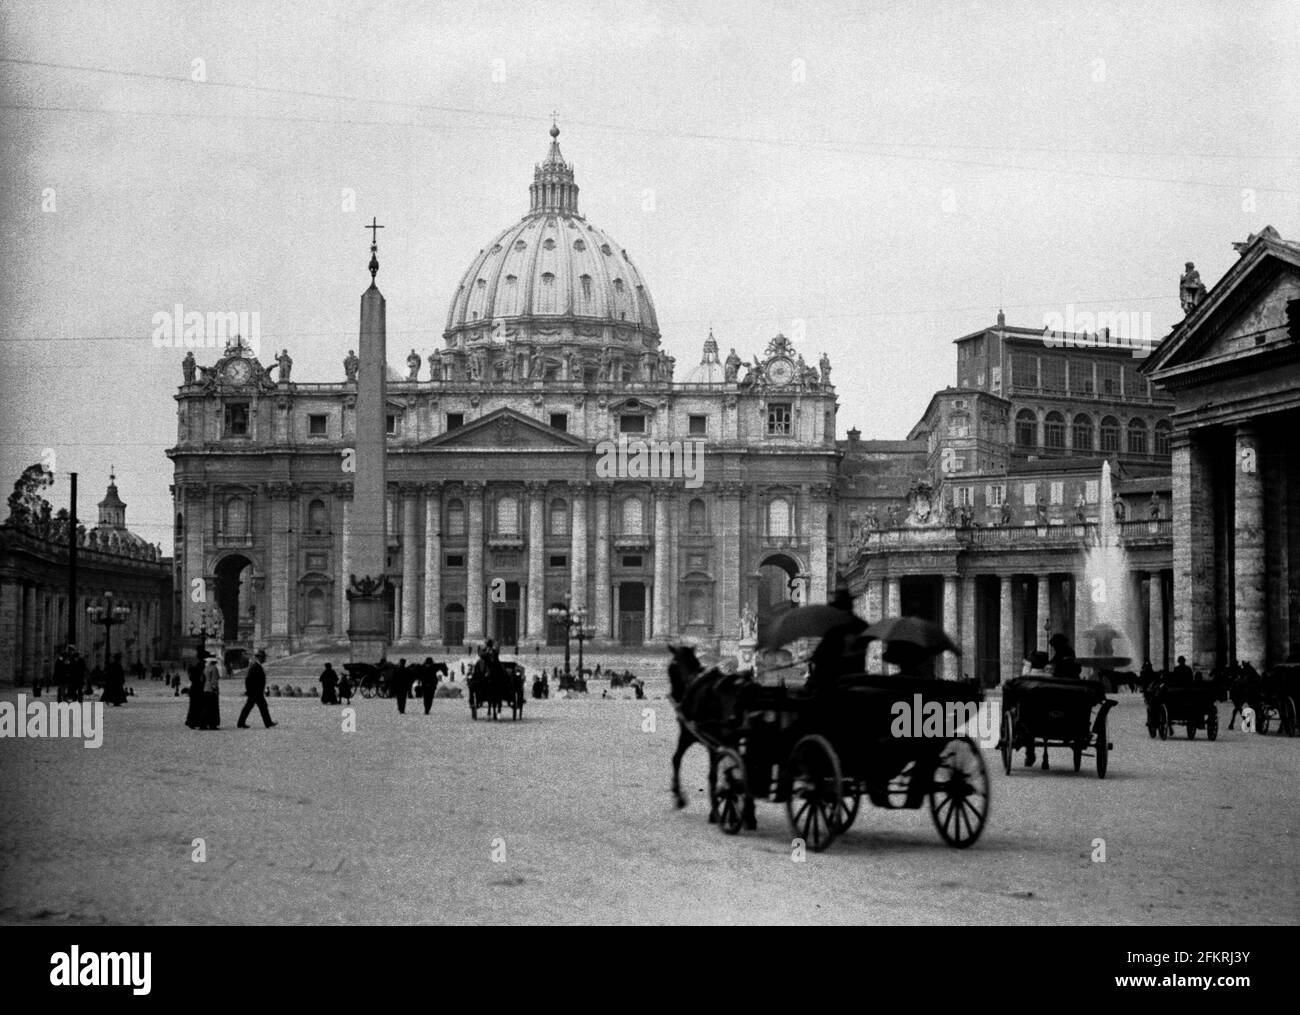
993,537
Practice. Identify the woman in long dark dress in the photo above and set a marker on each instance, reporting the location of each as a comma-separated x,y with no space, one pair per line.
194,715
211,698
328,681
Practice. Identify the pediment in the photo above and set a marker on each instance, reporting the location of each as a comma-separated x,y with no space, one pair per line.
506,429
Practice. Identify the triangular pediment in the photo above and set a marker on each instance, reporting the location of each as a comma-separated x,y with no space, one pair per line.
506,429
1244,312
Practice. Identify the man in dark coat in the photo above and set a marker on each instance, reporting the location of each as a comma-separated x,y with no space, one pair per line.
328,681
428,683
401,684
115,682
255,690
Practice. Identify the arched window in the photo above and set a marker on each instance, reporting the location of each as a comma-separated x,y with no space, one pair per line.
453,624
778,518
959,425
697,607
1026,428
633,517
316,614
1083,433
318,518
695,515
1164,431
1137,436
455,521
235,520
507,516
1109,435
1054,430
559,517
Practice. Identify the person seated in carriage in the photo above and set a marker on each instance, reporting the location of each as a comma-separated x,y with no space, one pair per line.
841,652
1063,663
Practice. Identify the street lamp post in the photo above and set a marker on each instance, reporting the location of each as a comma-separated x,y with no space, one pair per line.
108,615
571,618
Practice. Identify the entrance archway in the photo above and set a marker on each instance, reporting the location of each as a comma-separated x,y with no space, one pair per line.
235,597
631,613
505,617
775,591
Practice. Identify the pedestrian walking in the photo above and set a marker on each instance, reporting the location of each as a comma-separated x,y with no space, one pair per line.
211,696
255,691
345,689
115,682
428,684
328,682
401,685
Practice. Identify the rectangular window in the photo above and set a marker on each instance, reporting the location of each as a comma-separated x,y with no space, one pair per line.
317,426
631,423
630,560
1108,379
1024,371
455,420
779,419
699,426
994,494
237,419
961,496
560,421
1053,374
1058,492
1031,494
1092,491
455,560
390,425
559,560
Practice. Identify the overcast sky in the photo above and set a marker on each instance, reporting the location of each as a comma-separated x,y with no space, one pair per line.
886,174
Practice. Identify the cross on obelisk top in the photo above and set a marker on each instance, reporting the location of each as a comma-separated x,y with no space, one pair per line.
374,227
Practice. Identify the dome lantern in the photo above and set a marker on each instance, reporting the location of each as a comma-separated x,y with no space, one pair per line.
553,190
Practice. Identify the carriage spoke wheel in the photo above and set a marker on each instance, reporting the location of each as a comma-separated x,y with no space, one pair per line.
1008,745
1165,728
1078,757
1103,750
731,792
1287,716
959,797
814,804
1212,724
850,802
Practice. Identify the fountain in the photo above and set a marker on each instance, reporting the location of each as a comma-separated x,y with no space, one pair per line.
1106,592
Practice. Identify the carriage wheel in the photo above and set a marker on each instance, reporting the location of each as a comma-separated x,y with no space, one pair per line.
1265,720
1078,757
813,806
731,793
1007,746
1191,729
1153,721
1212,724
1164,723
473,707
1103,750
1287,721
850,802
959,798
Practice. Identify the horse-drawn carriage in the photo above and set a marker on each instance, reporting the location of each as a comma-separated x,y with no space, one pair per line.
492,693
820,753
369,680
1279,693
1192,706
1055,712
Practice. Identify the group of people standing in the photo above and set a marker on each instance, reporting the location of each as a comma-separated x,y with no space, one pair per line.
205,692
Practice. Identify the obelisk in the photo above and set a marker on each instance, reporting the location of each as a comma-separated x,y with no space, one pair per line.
368,584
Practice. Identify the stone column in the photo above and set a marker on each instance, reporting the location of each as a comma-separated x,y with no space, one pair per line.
1008,651
345,560
951,625
1276,541
536,624
729,562
600,609
410,494
1156,621
432,563
29,633
1192,512
1249,599
874,611
578,545
661,586
11,628
196,503
818,565
281,495
893,606
1043,619
969,662
474,619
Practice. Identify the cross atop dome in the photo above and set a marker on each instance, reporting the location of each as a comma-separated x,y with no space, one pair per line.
553,190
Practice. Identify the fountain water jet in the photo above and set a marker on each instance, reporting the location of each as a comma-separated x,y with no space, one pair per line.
1107,592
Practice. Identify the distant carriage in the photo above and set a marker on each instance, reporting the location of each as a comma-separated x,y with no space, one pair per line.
1053,712
1192,706
369,680
492,694
1279,697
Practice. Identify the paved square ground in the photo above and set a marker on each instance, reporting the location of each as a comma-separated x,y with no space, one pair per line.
399,821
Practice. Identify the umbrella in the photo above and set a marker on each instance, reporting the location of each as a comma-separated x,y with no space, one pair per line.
808,622
924,634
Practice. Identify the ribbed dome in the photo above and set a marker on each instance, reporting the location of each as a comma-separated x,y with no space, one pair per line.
553,276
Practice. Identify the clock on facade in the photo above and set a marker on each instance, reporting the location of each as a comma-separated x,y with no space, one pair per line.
780,371
238,371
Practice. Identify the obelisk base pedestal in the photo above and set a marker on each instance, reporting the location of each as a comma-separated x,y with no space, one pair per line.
368,620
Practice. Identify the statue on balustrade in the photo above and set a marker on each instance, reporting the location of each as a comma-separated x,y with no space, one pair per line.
350,364
1155,506
413,366
187,367
731,369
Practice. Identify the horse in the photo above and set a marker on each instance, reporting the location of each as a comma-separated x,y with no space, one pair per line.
701,697
488,686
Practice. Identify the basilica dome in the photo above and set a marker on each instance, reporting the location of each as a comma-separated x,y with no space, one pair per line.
553,277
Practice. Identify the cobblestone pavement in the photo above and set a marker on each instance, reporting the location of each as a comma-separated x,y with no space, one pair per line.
399,822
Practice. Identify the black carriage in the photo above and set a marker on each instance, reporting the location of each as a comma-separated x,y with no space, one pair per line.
1055,712
368,680
484,695
1279,694
1191,706
819,754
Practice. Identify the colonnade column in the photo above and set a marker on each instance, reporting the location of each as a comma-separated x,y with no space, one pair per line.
950,625
818,564
874,610
1043,618
600,609
29,632
893,607
729,608
281,495
474,620
433,562
410,561
1156,621
1192,512
1007,661
663,578
969,663
536,626
578,549
345,560
1249,600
